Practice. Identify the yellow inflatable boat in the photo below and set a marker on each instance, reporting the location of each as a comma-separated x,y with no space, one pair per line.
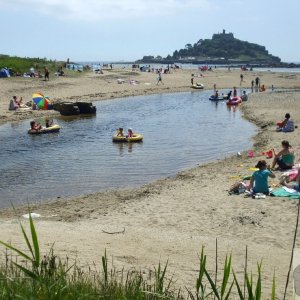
197,86
51,129
123,139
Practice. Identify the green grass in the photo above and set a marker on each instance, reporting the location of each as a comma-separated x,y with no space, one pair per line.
28,275
23,65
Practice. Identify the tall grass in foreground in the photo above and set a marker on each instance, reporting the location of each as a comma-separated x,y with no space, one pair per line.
31,276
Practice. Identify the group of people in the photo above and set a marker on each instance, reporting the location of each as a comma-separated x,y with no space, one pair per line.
284,160
16,103
258,87
120,133
37,126
227,96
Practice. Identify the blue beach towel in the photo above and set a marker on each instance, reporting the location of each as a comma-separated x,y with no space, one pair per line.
284,192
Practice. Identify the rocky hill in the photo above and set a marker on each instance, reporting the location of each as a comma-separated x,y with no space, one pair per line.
222,47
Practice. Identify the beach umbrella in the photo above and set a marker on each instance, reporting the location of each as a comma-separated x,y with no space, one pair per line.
41,101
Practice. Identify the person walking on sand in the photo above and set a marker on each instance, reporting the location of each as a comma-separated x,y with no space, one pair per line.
257,84
159,78
46,73
252,86
242,79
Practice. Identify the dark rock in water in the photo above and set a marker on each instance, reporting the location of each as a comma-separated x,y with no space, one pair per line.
86,107
70,109
67,108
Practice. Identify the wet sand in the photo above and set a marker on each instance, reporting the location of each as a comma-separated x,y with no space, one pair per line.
172,218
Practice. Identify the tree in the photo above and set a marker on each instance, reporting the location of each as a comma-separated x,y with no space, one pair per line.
188,46
148,57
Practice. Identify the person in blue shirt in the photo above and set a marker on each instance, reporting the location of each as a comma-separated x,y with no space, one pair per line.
259,179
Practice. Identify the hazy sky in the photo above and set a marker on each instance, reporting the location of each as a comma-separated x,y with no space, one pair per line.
110,30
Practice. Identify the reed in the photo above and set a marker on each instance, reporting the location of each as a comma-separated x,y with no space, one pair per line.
27,275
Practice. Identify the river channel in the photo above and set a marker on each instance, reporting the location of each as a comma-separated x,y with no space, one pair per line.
180,131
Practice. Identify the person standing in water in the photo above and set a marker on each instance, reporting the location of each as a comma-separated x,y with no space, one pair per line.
234,92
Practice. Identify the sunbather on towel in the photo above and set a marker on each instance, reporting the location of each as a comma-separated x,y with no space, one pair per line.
295,186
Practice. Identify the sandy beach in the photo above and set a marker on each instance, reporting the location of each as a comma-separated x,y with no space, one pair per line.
172,218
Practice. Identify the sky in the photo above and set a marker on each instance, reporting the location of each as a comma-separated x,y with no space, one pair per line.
126,30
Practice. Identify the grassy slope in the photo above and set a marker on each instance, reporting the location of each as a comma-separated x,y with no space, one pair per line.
23,65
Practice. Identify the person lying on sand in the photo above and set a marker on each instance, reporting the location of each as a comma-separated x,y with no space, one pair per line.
295,186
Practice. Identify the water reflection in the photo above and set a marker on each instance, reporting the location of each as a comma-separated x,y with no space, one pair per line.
75,118
232,108
127,147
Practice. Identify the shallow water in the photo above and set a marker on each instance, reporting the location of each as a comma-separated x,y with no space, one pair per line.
180,131
188,66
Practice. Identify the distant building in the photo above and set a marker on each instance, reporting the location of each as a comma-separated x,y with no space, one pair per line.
223,34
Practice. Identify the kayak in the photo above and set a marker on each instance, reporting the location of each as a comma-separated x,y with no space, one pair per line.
234,101
51,129
197,86
123,139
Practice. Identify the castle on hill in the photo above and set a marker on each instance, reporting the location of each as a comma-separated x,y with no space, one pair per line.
223,34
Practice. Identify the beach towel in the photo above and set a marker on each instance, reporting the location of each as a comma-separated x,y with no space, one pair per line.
285,192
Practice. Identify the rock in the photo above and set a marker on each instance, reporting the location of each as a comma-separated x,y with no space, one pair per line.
86,107
71,109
